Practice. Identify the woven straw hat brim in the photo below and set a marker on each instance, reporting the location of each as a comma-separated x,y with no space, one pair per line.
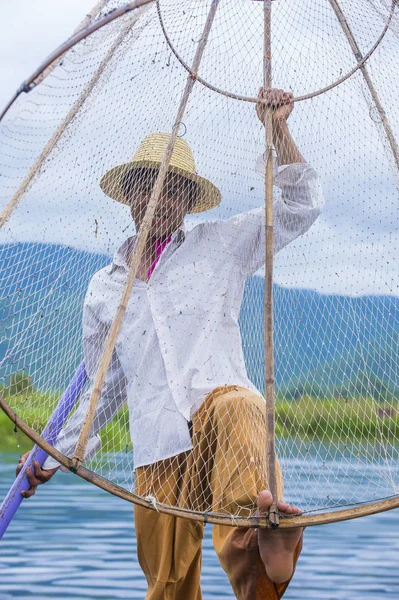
209,195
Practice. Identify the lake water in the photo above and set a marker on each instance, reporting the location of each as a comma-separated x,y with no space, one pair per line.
73,541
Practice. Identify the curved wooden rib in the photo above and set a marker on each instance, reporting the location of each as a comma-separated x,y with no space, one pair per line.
214,518
72,41
82,25
37,165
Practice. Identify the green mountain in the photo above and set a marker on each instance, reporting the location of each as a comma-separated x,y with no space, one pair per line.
324,344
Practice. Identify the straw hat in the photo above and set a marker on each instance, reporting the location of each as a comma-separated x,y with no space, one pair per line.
149,155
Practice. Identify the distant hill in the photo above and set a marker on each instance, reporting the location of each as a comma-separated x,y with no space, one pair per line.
42,290
324,344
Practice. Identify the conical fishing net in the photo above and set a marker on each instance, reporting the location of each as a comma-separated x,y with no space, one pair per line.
183,400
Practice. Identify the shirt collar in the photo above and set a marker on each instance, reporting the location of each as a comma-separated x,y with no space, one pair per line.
120,256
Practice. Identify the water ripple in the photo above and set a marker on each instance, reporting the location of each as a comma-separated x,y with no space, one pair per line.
76,542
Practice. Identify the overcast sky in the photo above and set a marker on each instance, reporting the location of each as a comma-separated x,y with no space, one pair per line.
348,250
29,31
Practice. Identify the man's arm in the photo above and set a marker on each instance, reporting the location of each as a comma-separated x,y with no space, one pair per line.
295,209
113,394
112,397
287,150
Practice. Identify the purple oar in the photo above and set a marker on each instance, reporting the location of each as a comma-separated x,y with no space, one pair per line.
13,499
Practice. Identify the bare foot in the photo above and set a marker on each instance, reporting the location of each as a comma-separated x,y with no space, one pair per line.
277,546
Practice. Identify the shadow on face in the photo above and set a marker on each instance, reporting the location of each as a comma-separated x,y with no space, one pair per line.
177,198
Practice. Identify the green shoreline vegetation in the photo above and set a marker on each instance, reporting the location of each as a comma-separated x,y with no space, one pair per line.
308,418
35,408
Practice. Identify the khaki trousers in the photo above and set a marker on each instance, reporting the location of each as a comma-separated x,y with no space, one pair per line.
224,472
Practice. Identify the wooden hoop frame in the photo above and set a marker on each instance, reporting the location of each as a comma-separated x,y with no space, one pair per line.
213,518
75,464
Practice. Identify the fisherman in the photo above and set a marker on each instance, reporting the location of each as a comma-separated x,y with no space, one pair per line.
197,421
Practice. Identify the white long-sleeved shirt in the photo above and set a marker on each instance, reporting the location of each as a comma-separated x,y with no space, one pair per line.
180,336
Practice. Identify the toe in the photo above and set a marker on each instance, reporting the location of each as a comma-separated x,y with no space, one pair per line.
288,509
264,502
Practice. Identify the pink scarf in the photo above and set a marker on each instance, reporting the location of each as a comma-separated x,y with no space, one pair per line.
159,248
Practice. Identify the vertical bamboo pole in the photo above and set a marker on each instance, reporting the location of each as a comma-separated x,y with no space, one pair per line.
268,308
37,165
358,55
138,250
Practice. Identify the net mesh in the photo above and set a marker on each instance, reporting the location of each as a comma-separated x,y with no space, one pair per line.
182,399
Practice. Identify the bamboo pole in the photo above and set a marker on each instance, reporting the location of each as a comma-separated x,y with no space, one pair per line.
82,25
258,522
138,250
268,308
308,96
29,83
35,169
358,56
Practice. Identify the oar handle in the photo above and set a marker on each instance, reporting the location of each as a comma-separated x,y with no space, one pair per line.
50,433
